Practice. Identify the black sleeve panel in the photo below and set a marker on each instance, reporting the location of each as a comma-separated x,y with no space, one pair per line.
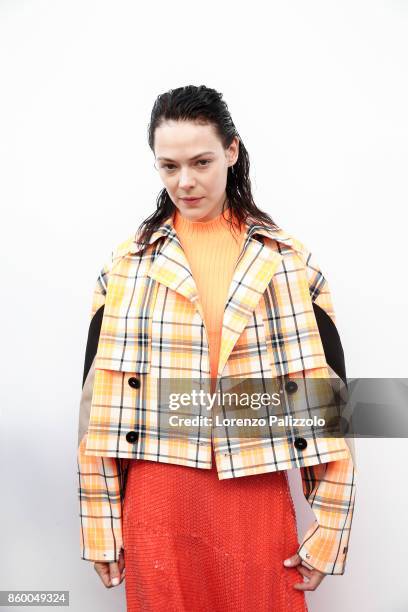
92,342
333,349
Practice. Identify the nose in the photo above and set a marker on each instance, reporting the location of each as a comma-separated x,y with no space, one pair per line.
186,178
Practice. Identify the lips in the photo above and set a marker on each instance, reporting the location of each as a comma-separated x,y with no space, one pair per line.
190,199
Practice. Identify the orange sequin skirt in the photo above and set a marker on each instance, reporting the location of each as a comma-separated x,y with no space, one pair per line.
194,543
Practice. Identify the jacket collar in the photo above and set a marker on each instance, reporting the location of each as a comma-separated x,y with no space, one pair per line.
252,229
258,262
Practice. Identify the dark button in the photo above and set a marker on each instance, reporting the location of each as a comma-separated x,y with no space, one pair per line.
300,443
134,382
132,436
291,386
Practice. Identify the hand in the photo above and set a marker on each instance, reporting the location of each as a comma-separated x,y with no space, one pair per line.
111,573
314,576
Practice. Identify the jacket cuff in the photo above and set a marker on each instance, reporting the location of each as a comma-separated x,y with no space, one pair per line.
322,551
98,556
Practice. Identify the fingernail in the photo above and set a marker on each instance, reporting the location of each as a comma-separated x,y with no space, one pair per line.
115,581
286,562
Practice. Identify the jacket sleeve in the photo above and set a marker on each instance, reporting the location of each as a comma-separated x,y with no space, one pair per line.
329,488
101,479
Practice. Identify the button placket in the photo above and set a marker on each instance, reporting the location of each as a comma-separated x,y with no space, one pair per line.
132,436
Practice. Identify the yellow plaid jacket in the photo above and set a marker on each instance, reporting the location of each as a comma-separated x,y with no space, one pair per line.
147,324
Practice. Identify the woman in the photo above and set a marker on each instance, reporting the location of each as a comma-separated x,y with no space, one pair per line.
210,289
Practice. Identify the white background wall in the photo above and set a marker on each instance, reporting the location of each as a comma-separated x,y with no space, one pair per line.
319,93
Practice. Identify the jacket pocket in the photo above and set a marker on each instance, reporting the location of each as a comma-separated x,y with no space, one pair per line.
122,409
291,333
125,342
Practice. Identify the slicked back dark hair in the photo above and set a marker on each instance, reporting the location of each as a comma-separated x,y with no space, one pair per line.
203,105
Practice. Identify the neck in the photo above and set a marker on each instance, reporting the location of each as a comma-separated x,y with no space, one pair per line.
217,223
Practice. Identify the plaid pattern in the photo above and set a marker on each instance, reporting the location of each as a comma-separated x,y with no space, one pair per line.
153,329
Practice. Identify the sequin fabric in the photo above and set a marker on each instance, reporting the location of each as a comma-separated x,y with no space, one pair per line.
194,543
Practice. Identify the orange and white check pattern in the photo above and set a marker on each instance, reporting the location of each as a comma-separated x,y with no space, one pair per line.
152,329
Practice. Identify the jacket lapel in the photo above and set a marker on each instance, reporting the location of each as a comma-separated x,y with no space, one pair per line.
254,270
256,265
171,268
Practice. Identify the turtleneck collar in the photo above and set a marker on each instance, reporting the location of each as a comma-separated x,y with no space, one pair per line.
218,224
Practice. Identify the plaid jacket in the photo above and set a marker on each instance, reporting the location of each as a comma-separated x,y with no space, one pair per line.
147,324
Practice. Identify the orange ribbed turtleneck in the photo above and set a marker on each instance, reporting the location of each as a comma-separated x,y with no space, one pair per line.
212,250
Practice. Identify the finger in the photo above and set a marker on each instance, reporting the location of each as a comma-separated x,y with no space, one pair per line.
305,571
292,561
102,569
313,583
121,565
121,562
115,576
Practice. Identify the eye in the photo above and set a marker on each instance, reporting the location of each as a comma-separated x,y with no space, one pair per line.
204,162
168,166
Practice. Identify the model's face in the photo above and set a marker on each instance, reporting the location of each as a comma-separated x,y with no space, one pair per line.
193,163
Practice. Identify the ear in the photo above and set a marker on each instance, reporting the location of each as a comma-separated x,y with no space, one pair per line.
233,151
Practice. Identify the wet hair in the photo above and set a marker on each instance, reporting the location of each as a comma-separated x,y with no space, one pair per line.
203,105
